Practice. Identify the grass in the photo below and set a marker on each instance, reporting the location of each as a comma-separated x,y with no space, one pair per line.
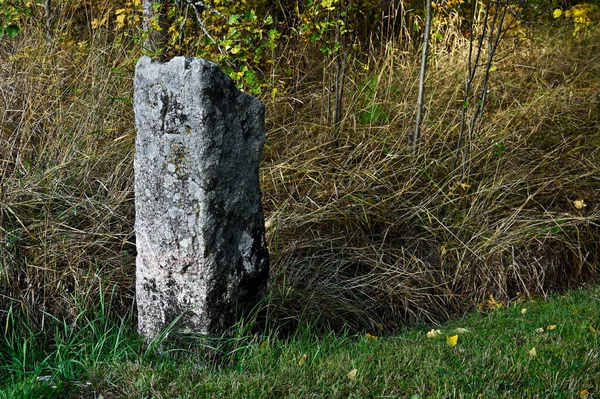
491,360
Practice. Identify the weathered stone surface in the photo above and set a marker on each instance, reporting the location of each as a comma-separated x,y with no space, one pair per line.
199,224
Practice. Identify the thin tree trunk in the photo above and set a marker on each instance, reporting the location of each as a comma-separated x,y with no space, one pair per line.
48,17
340,73
417,135
156,38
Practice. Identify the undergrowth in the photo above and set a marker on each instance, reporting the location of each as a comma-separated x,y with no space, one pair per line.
364,232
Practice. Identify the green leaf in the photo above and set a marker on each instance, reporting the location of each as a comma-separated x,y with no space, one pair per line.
233,19
12,30
325,50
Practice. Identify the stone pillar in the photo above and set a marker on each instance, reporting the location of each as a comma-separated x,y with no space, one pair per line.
199,225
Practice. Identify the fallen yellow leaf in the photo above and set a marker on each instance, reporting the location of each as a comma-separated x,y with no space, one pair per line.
532,352
463,186
370,337
584,394
433,333
490,304
592,329
302,360
452,341
352,374
523,311
551,327
579,204
460,330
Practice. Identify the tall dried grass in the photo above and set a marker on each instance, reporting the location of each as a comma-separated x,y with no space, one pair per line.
364,232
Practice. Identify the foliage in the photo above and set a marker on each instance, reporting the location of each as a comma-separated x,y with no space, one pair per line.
582,15
11,17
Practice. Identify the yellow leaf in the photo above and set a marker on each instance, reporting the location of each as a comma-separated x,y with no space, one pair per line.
370,337
452,341
584,394
443,250
579,204
523,311
352,374
96,23
557,13
120,21
592,329
532,352
154,24
461,330
236,50
539,330
433,333
551,327
302,360
490,304
463,186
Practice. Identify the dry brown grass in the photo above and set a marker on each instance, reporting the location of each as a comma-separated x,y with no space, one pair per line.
370,234
66,148
363,231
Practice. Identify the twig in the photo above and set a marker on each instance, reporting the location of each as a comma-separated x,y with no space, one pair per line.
415,138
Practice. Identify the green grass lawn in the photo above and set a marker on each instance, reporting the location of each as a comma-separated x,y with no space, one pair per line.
494,358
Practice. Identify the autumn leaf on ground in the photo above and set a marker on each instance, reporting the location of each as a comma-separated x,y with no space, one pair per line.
490,304
584,394
370,337
593,330
523,311
579,204
551,327
463,186
433,333
452,340
460,330
302,360
352,374
532,352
